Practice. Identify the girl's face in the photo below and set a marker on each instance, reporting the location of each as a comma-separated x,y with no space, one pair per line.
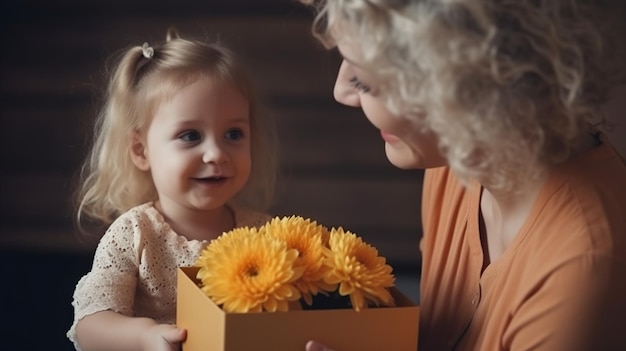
407,145
197,147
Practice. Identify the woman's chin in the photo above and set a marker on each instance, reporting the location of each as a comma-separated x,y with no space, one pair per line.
405,157
403,160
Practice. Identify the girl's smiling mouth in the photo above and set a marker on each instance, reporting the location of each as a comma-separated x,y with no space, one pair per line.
211,180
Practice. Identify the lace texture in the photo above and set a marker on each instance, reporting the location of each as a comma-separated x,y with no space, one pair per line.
134,267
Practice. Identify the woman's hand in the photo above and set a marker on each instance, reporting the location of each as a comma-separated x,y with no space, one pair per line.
316,346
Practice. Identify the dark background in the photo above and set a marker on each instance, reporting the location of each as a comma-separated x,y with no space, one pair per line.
53,62
52,67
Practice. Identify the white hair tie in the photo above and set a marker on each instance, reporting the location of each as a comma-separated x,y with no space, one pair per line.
148,51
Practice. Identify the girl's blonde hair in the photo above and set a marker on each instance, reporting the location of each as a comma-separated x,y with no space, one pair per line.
144,77
507,85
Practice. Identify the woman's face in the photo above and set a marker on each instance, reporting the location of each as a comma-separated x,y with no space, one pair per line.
407,145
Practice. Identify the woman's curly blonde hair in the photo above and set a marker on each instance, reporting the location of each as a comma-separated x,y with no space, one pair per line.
110,184
507,85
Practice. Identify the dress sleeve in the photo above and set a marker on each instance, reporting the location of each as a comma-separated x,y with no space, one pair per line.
580,306
111,283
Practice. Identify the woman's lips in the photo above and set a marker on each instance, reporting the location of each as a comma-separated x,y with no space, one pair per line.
390,138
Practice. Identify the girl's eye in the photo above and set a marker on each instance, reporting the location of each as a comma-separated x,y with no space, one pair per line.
234,134
358,85
190,135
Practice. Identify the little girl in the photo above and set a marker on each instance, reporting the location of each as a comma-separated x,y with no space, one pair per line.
181,155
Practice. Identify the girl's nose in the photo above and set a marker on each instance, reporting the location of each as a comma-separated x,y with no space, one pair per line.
213,153
344,92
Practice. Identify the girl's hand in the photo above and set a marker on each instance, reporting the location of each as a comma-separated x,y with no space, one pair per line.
316,346
163,337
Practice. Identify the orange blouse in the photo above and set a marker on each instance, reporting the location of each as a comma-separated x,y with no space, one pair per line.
561,285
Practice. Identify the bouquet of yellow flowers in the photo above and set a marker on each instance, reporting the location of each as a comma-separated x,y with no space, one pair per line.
293,263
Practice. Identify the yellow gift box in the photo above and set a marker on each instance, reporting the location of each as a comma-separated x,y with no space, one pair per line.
209,328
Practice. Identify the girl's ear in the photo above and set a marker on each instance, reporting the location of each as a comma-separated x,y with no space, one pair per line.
138,152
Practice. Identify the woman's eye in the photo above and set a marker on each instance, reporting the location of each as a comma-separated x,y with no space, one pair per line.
190,135
358,85
234,134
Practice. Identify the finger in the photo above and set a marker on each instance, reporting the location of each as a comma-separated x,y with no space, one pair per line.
175,335
316,346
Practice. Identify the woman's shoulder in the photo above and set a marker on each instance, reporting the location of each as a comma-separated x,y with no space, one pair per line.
594,181
585,199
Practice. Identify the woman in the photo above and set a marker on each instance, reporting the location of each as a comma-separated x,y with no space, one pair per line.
524,242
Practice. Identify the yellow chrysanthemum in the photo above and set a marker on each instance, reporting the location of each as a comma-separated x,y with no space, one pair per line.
247,272
359,271
309,238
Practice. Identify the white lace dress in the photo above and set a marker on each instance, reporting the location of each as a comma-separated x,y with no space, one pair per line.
134,267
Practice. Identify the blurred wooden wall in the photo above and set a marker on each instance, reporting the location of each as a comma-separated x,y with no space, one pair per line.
53,65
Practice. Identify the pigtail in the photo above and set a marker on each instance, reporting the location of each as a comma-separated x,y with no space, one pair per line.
104,191
124,75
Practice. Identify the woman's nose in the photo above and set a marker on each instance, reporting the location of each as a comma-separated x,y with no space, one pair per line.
344,92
